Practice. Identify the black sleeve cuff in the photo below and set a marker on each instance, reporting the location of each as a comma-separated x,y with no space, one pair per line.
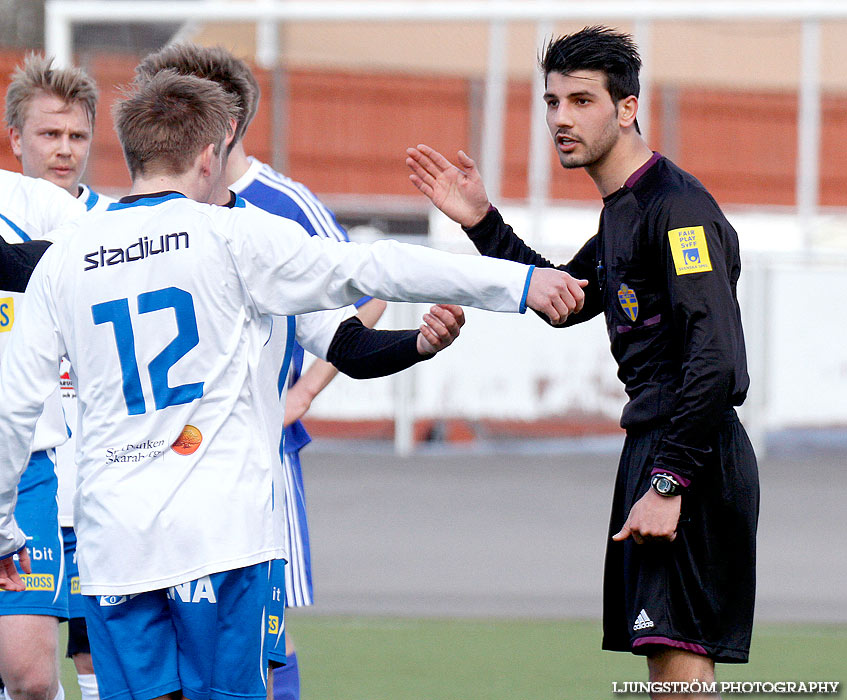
488,225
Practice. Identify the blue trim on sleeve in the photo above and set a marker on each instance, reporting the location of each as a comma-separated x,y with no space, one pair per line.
6,556
526,288
364,300
16,229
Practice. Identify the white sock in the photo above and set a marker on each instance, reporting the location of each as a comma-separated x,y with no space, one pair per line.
88,686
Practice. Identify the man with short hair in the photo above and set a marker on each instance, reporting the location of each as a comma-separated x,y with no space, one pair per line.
680,565
272,191
163,304
51,114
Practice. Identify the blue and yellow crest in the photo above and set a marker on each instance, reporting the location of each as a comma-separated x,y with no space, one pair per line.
629,302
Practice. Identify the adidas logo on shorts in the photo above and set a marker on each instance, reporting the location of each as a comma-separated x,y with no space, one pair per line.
642,621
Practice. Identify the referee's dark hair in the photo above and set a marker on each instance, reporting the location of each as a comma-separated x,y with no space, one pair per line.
596,48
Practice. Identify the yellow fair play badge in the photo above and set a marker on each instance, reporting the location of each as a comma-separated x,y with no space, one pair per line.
689,249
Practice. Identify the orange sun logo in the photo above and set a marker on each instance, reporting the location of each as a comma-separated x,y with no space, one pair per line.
188,441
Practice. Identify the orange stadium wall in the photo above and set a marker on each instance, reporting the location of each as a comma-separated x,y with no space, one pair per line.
346,134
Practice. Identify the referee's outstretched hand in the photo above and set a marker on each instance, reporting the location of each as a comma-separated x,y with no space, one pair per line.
457,190
653,518
555,294
10,579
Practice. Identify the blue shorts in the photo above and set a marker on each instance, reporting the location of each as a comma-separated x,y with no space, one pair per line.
37,514
205,637
276,613
75,604
298,573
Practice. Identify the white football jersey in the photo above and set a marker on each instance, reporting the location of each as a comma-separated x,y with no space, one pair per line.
163,305
30,208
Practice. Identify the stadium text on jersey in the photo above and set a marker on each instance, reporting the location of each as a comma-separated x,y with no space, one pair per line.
137,251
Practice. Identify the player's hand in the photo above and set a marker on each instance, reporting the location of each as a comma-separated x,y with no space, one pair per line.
457,190
652,518
555,294
440,328
297,403
10,579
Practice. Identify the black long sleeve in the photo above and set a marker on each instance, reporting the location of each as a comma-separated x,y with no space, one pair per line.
17,261
363,353
494,238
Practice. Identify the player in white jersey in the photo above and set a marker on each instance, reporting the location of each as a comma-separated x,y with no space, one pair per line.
51,114
162,305
261,185
29,639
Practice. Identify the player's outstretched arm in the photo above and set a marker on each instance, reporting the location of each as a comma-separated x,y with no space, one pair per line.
363,353
10,579
457,190
555,294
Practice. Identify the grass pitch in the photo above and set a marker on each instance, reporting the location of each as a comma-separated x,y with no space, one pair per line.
372,658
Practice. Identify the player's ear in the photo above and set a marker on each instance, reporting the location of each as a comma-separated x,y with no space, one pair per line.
15,140
205,160
627,111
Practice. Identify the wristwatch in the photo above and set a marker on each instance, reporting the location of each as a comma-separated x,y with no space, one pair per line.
666,485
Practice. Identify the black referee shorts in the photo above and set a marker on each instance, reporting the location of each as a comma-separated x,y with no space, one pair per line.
697,592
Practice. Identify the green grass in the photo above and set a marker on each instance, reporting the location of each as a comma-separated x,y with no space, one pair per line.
371,658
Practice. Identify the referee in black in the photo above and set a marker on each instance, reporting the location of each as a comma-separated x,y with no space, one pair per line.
679,582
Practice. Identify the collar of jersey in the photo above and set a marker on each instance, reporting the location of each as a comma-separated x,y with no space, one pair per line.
144,200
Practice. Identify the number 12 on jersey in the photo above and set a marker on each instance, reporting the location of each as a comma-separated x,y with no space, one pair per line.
116,312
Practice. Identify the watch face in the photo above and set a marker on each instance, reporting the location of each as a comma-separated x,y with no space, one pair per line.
663,485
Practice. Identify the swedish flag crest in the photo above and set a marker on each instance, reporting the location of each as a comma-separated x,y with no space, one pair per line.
629,302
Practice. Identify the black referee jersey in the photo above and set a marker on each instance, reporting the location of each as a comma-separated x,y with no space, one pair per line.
663,269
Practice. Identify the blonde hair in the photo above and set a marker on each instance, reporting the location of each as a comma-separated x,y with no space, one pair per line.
215,64
37,76
165,122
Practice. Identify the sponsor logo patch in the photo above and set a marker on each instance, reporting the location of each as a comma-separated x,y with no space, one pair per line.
108,601
188,441
629,302
7,314
75,585
689,249
144,248
39,582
